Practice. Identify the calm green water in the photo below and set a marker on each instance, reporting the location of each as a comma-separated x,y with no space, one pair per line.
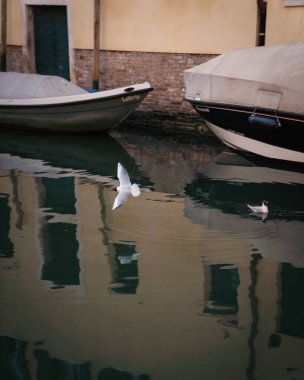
182,282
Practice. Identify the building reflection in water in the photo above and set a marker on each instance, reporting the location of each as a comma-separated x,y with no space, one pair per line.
252,283
274,279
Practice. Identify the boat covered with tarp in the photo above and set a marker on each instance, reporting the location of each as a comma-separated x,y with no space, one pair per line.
253,99
45,102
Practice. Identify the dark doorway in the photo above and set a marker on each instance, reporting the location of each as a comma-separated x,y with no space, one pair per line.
51,40
262,14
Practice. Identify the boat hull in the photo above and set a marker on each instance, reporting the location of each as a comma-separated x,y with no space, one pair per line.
263,132
98,111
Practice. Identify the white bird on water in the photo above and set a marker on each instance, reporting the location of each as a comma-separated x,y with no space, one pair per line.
260,209
125,187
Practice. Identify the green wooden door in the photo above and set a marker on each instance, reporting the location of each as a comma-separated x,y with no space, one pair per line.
51,40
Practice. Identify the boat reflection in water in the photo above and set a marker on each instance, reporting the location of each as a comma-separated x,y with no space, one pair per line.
218,199
181,282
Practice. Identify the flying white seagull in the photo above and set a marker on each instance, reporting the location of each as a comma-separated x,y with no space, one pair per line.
260,209
125,187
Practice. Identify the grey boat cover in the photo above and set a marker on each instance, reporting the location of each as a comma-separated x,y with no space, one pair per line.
26,86
269,77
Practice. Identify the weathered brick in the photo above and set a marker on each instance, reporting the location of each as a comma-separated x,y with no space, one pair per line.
163,70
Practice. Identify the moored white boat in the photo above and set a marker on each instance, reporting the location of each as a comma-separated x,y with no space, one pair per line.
42,102
253,99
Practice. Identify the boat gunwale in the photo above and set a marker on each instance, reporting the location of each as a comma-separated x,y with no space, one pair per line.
70,100
246,109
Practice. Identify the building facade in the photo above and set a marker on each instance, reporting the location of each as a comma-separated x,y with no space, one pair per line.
138,40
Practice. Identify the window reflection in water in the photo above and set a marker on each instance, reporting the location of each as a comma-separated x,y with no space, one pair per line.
291,320
222,299
124,268
61,264
6,245
58,195
59,239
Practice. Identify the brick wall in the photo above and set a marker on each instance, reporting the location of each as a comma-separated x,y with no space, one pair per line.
14,58
163,70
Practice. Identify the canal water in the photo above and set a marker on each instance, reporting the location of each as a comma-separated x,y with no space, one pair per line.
182,282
